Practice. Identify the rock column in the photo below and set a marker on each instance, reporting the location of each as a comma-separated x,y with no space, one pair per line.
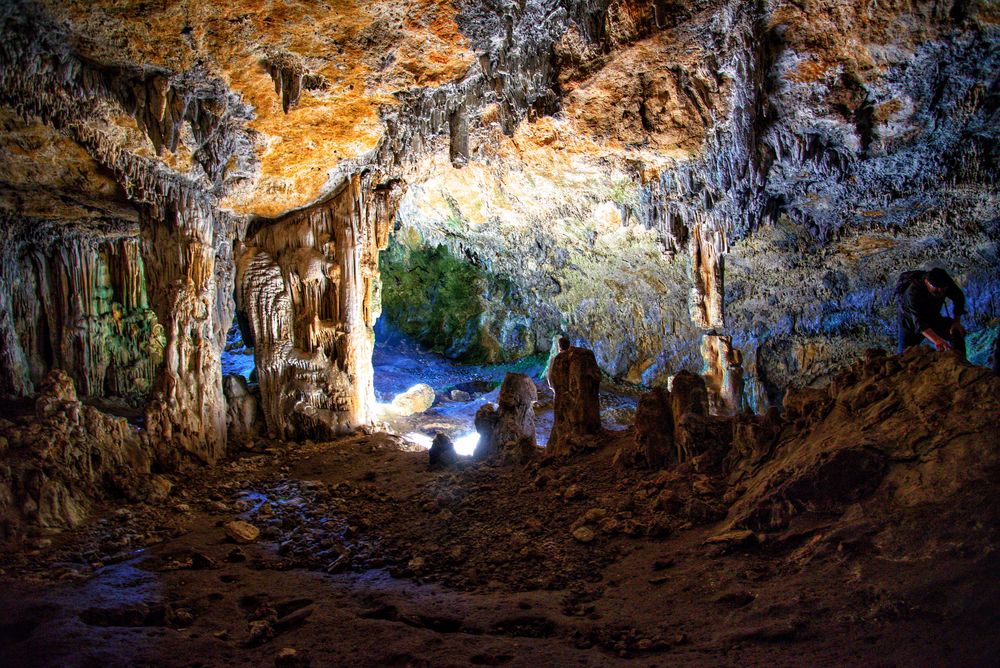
187,247
308,286
576,380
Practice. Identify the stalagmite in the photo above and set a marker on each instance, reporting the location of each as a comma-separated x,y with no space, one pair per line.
508,433
576,380
723,374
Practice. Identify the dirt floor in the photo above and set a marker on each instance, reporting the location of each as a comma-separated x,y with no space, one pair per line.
366,558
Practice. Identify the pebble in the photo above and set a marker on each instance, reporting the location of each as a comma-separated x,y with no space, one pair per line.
242,532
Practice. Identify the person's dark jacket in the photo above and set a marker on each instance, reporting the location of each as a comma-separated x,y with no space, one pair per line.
919,310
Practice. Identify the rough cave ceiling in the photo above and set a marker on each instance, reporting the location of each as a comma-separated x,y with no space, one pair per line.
601,156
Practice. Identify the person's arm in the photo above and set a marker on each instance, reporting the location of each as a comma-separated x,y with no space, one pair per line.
938,342
957,297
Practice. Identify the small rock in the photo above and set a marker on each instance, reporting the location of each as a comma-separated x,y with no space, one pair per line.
199,560
159,487
242,532
573,492
594,515
417,564
260,632
584,534
289,657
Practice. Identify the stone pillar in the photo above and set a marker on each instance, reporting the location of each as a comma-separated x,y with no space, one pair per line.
576,380
723,374
188,254
653,445
308,286
688,405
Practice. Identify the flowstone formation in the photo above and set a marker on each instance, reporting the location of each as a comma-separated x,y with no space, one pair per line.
80,305
309,291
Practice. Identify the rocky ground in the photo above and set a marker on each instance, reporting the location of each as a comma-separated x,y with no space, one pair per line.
353,553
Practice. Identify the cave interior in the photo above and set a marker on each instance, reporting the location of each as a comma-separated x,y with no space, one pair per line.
283,290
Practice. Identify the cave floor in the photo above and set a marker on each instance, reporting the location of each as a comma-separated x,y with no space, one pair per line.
366,558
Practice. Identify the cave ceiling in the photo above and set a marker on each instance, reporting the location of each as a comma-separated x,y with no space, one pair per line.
302,93
309,91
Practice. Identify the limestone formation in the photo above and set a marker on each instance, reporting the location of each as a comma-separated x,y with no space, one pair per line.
508,432
308,286
576,380
723,374
654,434
63,458
81,305
189,260
486,422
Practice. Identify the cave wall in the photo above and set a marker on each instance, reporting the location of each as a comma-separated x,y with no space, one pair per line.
308,285
79,304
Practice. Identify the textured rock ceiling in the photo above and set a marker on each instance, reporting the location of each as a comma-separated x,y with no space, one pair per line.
314,83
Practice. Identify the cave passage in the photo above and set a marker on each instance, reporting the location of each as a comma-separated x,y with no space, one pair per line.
461,389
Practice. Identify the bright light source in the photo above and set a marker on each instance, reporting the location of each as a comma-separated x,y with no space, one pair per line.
423,440
466,445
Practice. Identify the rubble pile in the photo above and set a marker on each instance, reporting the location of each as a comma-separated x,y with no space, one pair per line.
62,458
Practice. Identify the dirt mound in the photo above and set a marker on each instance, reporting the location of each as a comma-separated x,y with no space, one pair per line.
900,431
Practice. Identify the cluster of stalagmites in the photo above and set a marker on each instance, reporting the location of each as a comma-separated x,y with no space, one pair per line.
62,458
910,429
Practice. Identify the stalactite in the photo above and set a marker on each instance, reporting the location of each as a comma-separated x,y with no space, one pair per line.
707,249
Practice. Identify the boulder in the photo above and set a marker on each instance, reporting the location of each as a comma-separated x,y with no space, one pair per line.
417,399
576,380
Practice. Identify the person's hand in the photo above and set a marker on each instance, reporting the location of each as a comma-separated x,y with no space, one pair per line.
942,345
957,329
